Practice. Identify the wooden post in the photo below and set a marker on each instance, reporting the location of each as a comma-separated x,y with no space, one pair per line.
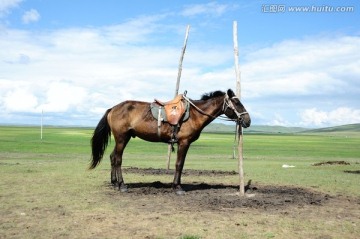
238,94
178,84
168,157
236,55
181,61
241,160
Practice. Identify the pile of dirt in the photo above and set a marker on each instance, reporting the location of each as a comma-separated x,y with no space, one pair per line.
331,163
352,171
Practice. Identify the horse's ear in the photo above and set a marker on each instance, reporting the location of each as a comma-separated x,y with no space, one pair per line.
230,93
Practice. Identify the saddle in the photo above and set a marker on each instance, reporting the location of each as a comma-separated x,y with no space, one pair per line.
172,111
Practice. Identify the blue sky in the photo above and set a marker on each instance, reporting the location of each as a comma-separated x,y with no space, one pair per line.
73,59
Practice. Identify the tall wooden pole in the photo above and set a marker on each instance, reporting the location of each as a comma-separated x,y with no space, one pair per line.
178,83
239,127
181,61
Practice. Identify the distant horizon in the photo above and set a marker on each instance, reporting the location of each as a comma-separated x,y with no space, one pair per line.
212,123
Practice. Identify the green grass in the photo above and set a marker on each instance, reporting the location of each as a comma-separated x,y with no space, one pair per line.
264,155
55,140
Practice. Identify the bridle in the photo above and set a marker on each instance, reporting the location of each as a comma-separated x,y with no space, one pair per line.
227,104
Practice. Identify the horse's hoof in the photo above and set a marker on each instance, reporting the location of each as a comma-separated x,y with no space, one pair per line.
115,184
123,189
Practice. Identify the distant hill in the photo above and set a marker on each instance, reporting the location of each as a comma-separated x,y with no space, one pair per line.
267,129
254,129
336,129
220,128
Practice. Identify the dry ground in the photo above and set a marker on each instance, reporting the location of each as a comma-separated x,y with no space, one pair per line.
152,210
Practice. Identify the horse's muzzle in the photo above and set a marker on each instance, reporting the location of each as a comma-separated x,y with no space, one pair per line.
245,121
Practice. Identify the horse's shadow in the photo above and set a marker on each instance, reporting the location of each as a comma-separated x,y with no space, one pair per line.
187,187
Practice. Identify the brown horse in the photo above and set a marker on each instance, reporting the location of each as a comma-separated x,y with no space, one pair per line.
133,118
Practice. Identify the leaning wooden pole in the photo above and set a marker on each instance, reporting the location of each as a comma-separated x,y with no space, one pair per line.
239,127
181,61
178,82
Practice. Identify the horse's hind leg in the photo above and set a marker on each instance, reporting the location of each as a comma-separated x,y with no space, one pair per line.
116,162
113,171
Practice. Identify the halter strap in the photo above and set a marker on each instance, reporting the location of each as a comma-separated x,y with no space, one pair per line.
227,103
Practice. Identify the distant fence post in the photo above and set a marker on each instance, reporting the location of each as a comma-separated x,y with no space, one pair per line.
41,126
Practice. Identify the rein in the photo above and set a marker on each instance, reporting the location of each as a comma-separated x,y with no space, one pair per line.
225,105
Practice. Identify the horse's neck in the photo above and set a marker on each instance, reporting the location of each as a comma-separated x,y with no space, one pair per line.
212,108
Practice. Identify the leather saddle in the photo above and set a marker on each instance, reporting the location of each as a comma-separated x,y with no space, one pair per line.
172,111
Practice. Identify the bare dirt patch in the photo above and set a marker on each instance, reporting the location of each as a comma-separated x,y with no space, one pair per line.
331,163
352,171
212,210
220,196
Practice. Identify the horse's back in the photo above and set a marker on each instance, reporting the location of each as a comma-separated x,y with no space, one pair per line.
129,115
127,110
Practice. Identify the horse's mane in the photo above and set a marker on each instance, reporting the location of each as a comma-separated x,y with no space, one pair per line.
213,94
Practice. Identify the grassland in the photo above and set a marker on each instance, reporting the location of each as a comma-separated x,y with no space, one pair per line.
264,155
47,180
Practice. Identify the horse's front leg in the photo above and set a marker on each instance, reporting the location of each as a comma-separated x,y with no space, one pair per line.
181,154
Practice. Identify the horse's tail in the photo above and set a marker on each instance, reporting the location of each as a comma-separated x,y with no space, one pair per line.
100,140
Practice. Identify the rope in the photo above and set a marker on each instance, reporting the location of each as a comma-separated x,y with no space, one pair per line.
197,108
231,106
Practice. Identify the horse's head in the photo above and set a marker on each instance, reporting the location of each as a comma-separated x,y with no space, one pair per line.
234,110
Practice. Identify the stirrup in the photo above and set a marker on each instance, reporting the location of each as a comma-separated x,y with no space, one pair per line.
173,141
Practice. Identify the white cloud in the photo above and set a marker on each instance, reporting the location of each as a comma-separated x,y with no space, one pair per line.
212,9
62,96
7,5
279,120
135,30
298,75
30,16
20,100
303,67
338,116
